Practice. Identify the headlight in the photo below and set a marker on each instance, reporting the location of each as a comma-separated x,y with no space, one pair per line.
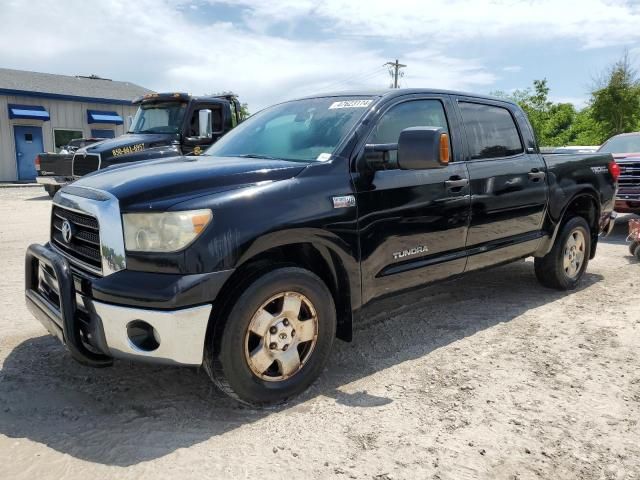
163,232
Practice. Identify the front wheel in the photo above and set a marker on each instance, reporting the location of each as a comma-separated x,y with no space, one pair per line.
563,267
276,338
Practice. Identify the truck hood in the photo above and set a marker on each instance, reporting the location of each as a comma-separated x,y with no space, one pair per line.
164,182
147,140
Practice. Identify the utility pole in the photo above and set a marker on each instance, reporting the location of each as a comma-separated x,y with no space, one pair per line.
395,68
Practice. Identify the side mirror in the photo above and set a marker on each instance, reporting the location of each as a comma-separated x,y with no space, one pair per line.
377,154
205,124
129,122
421,148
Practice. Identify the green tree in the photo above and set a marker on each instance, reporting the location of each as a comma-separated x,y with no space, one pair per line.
586,130
551,122
615,99
556,124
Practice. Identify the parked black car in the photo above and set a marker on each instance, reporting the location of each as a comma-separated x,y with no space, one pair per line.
252,258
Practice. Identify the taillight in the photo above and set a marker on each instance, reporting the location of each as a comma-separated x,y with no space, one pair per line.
37,162
614,170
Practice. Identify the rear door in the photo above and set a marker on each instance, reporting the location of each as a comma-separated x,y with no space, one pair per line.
412,223
28,146
508,187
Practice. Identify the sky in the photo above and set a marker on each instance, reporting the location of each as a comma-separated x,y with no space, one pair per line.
268,51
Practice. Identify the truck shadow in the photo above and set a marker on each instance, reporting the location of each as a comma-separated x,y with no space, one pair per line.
133,413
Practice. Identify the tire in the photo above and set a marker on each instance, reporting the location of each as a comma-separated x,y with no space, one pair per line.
636,253
633,246
552,271
236,356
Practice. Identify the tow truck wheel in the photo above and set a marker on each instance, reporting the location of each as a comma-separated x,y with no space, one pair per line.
563,267
276,338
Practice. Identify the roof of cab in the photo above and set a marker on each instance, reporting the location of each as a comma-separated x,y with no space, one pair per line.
397,92
178,96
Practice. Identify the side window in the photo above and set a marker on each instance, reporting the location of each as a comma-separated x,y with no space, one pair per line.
216,119
415,113
491,131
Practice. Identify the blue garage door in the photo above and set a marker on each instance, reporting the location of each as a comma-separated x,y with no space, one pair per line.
28,145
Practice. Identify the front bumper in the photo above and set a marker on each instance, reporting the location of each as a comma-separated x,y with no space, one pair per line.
628,206
95,332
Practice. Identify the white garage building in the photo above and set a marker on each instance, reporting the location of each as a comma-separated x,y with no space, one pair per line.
41,112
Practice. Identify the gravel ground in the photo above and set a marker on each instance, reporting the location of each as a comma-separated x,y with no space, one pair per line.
489,376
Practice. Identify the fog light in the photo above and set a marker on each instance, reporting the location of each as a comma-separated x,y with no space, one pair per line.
143,336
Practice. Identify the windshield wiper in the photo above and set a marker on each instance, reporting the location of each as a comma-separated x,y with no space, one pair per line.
255,155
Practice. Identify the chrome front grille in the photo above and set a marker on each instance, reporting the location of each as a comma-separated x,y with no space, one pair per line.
82,246
629,180
85,163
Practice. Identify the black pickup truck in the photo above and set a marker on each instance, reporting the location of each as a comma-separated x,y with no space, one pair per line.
55,169
165,125
252,258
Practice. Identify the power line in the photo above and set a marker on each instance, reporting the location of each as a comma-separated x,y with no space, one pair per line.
395,68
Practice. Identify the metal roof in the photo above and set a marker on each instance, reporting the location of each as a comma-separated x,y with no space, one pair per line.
20,82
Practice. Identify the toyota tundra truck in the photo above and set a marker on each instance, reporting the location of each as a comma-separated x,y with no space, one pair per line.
249,260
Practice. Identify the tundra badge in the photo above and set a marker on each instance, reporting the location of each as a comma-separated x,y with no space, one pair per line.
411,251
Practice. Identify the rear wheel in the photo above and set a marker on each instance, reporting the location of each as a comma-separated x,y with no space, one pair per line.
633,246
276,339
563,267
636,253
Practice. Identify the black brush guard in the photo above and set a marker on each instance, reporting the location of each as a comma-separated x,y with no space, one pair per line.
61,320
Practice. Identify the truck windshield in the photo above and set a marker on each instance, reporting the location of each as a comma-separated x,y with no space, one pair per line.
622,144
301,130
160,117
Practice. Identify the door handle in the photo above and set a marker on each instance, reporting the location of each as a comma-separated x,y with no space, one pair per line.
536,175
456,183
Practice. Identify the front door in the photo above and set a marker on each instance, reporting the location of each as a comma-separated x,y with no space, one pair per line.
412,223
508,187
28,146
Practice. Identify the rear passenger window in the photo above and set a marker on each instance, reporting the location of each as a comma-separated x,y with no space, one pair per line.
491,131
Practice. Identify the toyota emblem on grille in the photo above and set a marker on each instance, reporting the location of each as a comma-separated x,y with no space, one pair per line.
67,233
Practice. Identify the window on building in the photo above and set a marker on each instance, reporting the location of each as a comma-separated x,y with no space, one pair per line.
491,131
62,137
103,133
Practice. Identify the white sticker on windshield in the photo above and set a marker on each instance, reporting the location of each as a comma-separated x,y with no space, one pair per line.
351,104
323,157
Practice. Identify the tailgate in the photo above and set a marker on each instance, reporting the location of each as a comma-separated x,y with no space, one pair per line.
55,164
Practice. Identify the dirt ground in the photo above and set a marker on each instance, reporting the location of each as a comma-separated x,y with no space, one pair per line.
486,377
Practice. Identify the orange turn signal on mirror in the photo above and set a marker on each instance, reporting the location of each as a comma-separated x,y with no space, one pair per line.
444,148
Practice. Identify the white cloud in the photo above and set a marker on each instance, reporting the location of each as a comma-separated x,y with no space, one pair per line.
595,23
512,68
154,44
159,44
